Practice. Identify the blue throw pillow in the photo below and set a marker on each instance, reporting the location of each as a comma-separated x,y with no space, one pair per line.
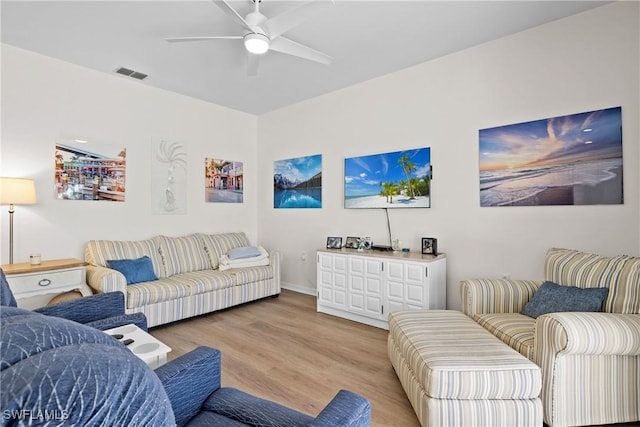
554,298
244,252
135,270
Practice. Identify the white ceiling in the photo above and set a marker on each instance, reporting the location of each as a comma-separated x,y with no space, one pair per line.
366,39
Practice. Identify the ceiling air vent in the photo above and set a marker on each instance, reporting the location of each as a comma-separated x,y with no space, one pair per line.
131,73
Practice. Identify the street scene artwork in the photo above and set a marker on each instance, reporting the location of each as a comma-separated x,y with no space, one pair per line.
224,181
566,160
398,179
88,170
297,183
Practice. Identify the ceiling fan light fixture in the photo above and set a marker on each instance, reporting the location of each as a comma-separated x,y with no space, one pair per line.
256,43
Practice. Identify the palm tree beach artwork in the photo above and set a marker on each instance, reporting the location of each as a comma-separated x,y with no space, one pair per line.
399,179
566,160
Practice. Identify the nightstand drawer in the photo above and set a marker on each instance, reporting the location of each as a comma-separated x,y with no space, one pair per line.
46,281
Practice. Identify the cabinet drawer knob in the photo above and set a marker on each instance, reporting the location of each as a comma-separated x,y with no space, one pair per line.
44,282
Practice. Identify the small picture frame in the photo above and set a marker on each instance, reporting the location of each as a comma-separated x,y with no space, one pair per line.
429,246
352,243
334,242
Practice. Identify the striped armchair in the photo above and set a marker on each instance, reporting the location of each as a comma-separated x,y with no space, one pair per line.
590,362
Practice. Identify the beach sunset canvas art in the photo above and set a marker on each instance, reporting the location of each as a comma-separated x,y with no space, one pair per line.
399,179
297,183
566,160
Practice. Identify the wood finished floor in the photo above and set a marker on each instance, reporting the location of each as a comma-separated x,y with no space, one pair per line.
283,350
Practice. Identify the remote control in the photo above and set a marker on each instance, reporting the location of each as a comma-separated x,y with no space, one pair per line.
127,341
118,336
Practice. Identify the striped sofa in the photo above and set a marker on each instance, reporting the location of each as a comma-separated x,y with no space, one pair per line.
590,362
189,282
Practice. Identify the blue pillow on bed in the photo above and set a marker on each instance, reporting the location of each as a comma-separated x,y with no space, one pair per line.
244,252
134,270
554,298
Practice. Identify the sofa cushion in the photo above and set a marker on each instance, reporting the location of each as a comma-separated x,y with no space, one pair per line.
514,329
554,298
183,254
134,270
98,252
218,245
178,286
453,357
621,274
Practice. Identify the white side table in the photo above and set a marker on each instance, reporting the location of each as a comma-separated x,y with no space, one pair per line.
152,351
34,285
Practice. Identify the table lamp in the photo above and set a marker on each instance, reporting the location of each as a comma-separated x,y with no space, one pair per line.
16,191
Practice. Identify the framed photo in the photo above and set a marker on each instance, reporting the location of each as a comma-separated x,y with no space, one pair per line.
334,242
429,246
352,243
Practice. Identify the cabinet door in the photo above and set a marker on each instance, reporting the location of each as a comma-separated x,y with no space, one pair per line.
365,286
407,286
332,279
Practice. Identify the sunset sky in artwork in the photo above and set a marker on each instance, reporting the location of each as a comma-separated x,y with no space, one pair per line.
574,138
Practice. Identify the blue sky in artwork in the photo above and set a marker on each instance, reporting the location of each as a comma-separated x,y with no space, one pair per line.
300,168
593,135
363,175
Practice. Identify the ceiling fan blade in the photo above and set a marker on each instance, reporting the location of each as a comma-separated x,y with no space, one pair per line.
253,64
284,45
287,20
231,12
199,39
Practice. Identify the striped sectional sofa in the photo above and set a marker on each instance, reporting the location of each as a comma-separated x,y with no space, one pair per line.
590,362
189,280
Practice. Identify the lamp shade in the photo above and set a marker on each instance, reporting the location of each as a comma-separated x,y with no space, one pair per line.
17,191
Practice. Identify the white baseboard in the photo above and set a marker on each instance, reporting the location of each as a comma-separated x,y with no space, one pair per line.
298,288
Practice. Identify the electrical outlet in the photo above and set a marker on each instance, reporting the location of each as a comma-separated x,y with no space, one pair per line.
303,256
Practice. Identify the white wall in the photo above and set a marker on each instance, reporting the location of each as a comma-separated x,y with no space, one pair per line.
44,99
582,63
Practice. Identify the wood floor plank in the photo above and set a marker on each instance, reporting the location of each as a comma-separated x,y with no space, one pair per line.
281,349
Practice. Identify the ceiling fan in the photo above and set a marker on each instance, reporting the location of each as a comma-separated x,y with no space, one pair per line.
262,34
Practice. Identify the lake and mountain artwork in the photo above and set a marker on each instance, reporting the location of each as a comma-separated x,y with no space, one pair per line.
399,179
297,183
566,160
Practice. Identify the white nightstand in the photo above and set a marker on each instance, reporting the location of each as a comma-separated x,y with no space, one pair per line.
34,285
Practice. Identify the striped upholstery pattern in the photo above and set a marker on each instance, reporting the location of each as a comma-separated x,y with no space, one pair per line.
621,274
217,245
182,254
464,378
590,367
190,282
514,329
481,296
98,252
194,305
590,361
177,286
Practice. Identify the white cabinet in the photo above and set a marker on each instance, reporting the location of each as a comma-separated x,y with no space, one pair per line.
367,286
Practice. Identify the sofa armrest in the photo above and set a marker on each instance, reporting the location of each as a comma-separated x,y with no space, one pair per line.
189,380
587,334
103,280
346,409
87,309
481,296
274,261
